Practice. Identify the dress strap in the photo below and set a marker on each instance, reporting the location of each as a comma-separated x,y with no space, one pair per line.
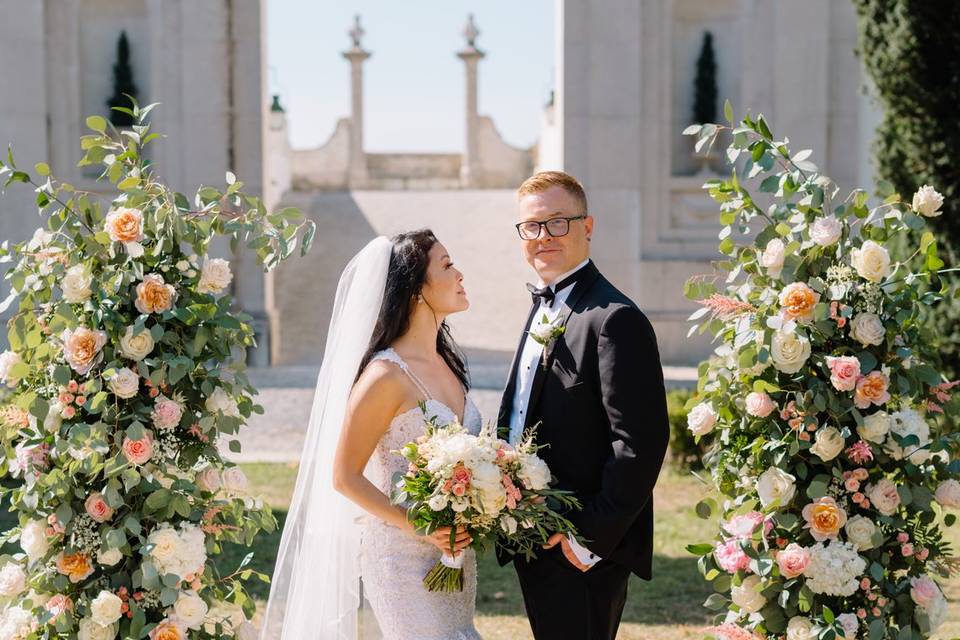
394,357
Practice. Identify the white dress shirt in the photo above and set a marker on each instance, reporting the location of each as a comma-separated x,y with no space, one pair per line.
527,365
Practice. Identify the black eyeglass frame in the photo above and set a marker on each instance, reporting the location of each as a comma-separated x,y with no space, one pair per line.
542,224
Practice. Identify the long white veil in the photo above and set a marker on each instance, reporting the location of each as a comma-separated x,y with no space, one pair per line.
315,591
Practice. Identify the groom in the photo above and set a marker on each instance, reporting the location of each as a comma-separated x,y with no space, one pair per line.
596,389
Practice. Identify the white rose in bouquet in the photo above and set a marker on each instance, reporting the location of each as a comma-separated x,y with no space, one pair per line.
235,480
33,539
220,401
800,628
136,346
826,231
109,557
867,329
860,532
828,444
215,276
91,630
884,496
927,202
208,479
8,360
875,427
747,596
789,351
190,609
13,580
106,608
76,284
871,261
534,472
775,484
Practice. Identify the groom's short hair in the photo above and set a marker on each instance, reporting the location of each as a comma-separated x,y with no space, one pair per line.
540,182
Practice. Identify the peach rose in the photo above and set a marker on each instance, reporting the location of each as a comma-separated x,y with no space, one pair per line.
76,566
124,224
97,507
82,348
871,388
844,372
154,295
793,560
58,604
824,518
168,629
138,451
797,301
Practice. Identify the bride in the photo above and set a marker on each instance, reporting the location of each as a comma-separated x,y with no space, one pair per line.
388,349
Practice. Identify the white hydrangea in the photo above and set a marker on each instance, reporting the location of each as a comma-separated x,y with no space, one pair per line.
834,569
17,623
13,580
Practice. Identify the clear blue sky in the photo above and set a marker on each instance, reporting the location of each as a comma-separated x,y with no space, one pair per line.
413,83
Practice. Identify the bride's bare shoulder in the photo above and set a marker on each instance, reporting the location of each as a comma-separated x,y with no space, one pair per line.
383,379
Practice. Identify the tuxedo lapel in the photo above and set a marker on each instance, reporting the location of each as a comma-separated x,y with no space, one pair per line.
581,287
506,402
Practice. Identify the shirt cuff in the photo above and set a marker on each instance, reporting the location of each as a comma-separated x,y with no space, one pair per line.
583,554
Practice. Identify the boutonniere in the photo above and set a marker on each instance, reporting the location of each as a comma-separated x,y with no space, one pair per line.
546,333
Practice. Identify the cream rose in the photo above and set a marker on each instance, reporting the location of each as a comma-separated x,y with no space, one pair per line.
867,329
215,276
208,479
125,383
772,257
875,427
775,484
829,443
76,284
109,557
90,630
13,580
927,202
860,531
948,494
136,347
826,231
701,419
800,628
747,595
871,261
789,351
106,608
9,360
190,609
234,480
220,401
33,539
849,623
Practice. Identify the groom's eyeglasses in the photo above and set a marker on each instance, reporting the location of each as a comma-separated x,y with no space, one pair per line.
556,227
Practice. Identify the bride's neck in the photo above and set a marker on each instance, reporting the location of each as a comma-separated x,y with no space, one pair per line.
421,337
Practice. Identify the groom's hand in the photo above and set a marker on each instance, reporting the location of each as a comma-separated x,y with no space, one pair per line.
567,550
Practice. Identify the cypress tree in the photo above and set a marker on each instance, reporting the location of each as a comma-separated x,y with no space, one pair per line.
122,84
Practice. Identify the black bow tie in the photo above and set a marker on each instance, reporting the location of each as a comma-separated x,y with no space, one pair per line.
545,293
548,293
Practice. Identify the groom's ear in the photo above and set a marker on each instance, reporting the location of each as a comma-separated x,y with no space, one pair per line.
588,227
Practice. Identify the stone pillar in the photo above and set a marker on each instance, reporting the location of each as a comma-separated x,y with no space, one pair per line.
471,56
356,55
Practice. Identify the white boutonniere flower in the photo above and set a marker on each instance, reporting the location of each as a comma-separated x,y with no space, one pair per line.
547,332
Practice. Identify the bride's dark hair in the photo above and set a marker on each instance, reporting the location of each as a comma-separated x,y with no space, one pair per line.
405,279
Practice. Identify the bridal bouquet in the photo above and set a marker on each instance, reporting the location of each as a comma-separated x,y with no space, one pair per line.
832,460
120,382
496,491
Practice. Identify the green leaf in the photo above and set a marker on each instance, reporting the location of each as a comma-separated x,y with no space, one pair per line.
128,183
728,110
42,168
97,123
700,549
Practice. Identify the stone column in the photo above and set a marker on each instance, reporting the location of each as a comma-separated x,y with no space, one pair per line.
356,55
471,56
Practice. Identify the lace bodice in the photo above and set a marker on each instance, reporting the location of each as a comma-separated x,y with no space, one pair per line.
409,425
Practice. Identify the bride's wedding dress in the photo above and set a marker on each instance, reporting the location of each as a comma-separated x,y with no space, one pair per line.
393,563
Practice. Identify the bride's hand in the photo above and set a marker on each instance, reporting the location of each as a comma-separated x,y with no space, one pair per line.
441,539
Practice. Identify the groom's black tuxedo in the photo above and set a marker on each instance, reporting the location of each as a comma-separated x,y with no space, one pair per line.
599,399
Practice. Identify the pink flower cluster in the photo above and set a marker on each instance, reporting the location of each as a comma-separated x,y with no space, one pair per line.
459,482
72,396
729,553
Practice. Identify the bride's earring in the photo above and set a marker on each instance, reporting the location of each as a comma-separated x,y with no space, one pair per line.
419,299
